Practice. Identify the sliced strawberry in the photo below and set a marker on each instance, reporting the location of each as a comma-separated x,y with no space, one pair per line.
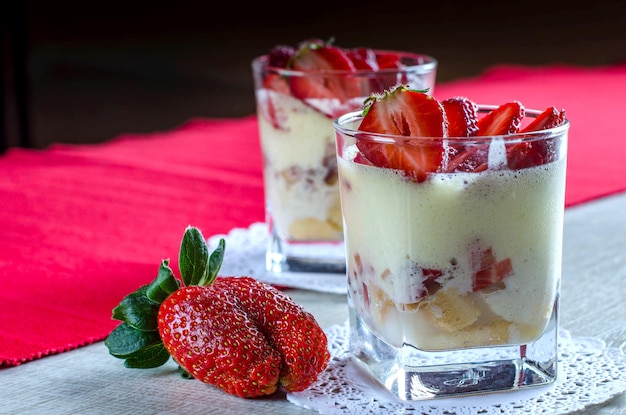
405,112
360,159
506,119
402,111
319,59
363,58
488,272
315,57
389,60
463,119
368,59
523,155
462,114
430,276
549,118
280,55
537,152
468,159
276,83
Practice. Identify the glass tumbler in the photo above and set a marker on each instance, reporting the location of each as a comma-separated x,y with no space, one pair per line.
303,211
454,280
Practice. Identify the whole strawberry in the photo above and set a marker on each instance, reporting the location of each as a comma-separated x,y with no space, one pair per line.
237,333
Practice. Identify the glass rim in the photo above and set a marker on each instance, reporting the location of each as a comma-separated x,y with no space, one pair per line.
340,122
428,65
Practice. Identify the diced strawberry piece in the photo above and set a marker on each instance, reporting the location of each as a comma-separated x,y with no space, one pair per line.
431,274
489,273
503,269
482,279
506,119
486,259
405,112
431,286
462,114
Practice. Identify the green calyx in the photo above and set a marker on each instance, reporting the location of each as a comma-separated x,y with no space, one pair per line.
137,339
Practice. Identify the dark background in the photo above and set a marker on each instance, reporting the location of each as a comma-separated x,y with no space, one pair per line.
98,69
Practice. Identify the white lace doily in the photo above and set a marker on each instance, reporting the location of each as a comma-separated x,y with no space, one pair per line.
246,256
589,373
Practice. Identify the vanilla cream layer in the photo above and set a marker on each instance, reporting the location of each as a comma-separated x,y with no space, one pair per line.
300,172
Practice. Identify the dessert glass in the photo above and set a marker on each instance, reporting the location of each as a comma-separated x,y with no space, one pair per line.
302,202
454,281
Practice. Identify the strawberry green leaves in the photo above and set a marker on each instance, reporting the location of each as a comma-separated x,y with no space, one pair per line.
137,310
215,261
193,257
139,349
137,339
196,266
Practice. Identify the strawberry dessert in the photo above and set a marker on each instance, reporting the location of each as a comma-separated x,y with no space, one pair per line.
299,91
454,219
241,335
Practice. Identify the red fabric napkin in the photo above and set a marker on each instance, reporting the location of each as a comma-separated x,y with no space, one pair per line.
81,226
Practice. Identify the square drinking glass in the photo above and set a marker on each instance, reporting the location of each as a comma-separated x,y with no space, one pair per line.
454,281
303,211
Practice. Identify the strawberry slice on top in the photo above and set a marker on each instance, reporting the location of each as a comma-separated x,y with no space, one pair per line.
317,57
280,56
363,58
462,114
536,152
389,59
366,59
549,118
404,112
503,120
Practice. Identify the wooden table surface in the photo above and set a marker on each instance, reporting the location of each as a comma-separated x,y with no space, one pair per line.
89,381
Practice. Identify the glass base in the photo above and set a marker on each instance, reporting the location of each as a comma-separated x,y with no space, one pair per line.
307,256
412,374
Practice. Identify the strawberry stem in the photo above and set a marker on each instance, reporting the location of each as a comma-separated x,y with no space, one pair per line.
164,284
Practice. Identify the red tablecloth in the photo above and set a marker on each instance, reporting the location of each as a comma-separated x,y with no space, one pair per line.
82,226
